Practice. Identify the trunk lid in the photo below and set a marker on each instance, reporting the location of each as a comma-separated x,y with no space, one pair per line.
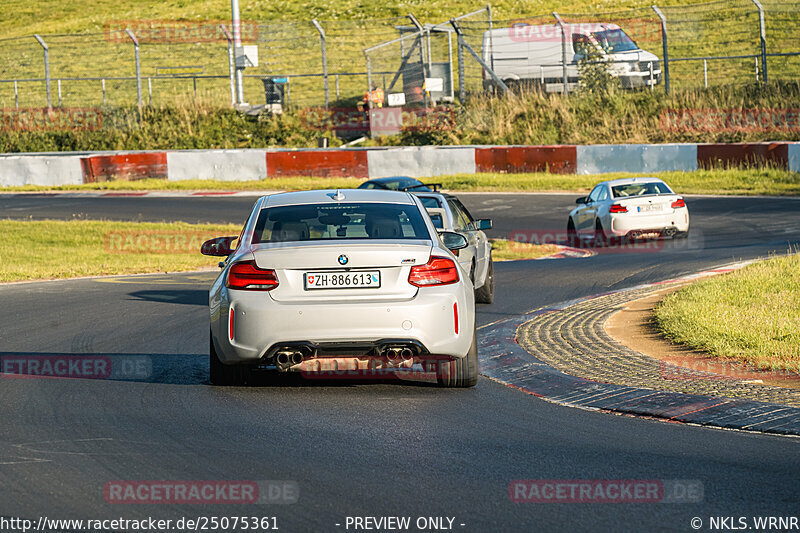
391,261
649,205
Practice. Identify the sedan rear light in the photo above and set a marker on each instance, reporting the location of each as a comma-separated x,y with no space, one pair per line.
678,203
437,271
616,208
247,276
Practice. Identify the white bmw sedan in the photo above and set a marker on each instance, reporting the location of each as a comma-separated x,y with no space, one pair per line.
342,280
629,208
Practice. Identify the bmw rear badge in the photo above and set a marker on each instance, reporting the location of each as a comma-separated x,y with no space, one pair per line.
343,259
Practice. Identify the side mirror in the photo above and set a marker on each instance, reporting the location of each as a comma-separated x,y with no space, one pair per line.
219,247
484,223
453,241
582,200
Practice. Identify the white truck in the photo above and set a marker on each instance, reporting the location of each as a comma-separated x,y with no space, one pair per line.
531,55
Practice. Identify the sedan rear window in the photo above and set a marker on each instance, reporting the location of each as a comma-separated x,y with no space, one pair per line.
322,222
640,189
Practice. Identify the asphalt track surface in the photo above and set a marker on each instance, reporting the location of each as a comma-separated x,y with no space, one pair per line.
374,449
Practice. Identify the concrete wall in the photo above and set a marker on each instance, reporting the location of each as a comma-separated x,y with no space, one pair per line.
418,161
794,157
421,161
40,170
637,158
224,165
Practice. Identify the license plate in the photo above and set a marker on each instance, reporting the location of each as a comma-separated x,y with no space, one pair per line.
370,279
649,208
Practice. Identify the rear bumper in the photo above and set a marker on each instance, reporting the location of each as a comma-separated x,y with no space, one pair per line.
624,224
261,325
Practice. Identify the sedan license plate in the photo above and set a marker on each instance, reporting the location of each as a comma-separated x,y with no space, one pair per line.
370,279
649,208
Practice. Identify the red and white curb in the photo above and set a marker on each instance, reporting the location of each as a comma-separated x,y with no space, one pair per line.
504,360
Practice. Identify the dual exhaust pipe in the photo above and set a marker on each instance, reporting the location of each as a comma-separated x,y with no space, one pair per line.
285,359
397,353
288,357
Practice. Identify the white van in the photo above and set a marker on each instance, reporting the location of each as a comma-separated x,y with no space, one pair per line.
531,55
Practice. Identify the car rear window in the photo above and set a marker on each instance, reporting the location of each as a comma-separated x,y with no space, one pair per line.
640,189
323,222
429,201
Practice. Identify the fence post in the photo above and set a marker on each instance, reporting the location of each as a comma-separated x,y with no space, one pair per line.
103,85
450,63
561,25
421,38
481,62
46,66
16,95
664,46
231,67
58,84
324,61
491,39
237,44
763,29
138,66
369,81
462,88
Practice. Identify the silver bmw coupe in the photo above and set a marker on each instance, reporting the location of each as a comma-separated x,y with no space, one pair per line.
333,280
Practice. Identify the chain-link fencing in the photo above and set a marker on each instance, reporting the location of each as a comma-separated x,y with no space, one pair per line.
334,63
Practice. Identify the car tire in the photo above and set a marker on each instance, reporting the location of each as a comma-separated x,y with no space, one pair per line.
485,295
572,234
460,372
681,235
222,374
599,234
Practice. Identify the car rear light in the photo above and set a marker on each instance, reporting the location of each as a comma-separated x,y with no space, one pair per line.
231,314
437,271
616,208
247,276
455,316
678,203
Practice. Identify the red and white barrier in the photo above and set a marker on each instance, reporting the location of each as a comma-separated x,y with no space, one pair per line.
420,161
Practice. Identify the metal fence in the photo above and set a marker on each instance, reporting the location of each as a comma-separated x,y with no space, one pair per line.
332,63
700,45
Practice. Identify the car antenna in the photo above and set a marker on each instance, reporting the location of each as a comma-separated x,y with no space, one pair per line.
338,196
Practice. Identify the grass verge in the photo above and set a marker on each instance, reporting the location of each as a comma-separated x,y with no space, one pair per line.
56,249
767,181
53,249
505,250
751,315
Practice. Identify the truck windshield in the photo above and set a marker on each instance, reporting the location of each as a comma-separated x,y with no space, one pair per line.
614,41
